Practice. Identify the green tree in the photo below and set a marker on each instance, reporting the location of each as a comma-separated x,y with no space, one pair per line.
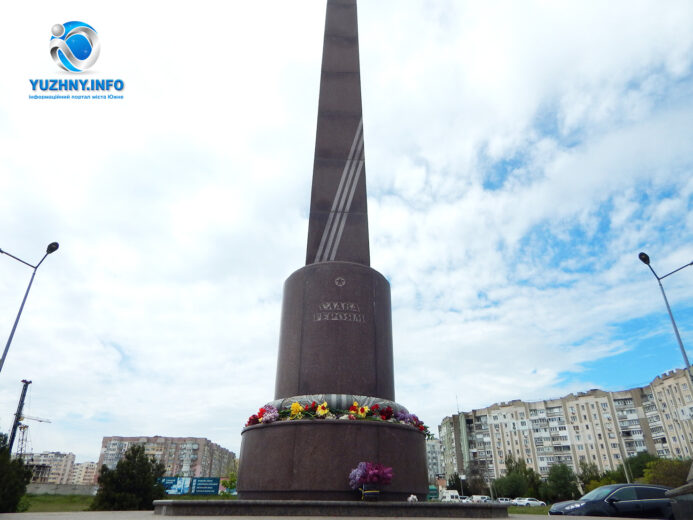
14,476
476,478
132,485
230,481
588,472
512,485
454,482
638,463
521,480
515,466
616,476
561,483
667,472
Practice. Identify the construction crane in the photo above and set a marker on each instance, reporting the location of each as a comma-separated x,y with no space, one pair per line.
18,414
21,445
19,417
32,418
23,435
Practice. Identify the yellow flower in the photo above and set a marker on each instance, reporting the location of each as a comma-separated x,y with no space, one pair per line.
363,411
322,410
296,409
354,408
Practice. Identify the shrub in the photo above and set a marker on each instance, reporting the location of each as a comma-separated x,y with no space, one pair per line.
14,476
132,485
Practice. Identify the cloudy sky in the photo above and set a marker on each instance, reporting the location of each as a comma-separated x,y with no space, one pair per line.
519,156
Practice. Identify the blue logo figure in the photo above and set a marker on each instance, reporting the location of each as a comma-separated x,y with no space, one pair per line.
74,46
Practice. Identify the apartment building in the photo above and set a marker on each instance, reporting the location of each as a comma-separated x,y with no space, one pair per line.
50,467
434,459
84,473
181,456
594,427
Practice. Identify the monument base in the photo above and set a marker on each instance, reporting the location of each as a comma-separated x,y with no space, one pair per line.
312,459
277,508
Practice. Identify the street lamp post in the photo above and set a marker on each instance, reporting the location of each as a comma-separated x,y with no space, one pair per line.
645,259
52,247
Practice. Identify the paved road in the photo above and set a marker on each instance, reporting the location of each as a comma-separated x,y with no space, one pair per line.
149,515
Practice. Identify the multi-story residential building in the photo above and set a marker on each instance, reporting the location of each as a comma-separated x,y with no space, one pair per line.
181,456
595,427
434,459
50,467
84,473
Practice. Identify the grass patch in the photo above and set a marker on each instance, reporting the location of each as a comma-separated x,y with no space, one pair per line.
523,510
57,503
67,503
201,497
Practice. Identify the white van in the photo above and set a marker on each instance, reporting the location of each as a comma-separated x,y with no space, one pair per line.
449,495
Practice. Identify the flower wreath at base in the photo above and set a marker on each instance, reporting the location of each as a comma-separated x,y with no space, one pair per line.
269,414
376,475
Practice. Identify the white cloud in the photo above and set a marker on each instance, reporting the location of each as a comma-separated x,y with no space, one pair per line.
518,158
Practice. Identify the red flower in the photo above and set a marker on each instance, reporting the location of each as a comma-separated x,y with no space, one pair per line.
387,413
375,407
261,413
352,417
253,419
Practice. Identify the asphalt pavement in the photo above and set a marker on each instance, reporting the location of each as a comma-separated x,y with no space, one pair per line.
149,515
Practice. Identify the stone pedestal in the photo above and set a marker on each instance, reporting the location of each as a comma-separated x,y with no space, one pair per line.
336,332
311,460
336,346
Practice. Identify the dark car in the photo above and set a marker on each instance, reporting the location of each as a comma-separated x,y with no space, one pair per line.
624,500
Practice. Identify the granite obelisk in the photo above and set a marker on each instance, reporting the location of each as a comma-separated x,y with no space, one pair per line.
335,341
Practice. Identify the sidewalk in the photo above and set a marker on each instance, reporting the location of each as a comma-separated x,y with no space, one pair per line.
149,515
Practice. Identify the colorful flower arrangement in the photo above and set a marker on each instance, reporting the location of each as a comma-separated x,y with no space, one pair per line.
269,414
370,473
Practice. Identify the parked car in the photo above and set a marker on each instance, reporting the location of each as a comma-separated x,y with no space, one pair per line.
465,499
504,501
479,499
450,495
528,502
624,500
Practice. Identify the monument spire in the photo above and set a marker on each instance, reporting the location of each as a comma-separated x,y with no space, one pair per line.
338,225
335,339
